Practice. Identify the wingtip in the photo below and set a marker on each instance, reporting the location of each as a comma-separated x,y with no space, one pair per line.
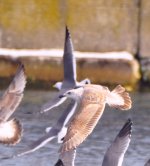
126,129
21,70
20,78
21,66
12,134
67,31
59,163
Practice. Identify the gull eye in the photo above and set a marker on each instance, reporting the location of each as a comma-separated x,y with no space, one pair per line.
69,93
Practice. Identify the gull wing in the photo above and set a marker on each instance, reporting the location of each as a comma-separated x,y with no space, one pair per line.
13,95
59,163
67,158
115,154
147,163
37,144
53,132
69,63
55,102
82,124
68,113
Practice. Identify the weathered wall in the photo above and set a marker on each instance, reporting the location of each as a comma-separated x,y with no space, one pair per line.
43,71
145,29
31,24
104,25
95,25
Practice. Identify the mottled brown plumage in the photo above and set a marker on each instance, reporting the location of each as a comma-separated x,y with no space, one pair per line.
92,100
9,102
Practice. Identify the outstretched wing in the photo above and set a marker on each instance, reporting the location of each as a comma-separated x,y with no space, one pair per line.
115,153
82,125
69,63
13,95
55,102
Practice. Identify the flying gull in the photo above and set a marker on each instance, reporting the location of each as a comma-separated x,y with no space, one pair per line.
11,130
91,99
70,75
115,154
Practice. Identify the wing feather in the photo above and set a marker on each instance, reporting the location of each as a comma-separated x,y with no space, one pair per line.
82,125
115,153
13,95
69,63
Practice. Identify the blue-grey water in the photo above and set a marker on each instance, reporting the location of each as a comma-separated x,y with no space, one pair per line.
91,152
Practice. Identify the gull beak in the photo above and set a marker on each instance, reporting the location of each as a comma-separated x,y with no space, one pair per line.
61,96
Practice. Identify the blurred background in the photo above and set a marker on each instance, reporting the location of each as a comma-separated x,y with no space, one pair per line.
97,27
112,46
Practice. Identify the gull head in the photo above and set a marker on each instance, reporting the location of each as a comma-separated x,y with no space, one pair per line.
58,85
75,94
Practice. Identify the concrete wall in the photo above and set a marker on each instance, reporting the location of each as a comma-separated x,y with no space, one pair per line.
145,29
95,25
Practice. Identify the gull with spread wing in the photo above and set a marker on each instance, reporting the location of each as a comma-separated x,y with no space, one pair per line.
115,154
91,99
69,82
11,130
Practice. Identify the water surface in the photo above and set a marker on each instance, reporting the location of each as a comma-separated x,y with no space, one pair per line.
91,152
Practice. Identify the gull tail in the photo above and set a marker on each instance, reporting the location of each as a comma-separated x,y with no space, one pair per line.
10,132
119,98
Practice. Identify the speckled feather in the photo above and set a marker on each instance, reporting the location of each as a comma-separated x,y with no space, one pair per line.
92,106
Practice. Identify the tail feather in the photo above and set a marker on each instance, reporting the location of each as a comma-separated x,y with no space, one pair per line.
119,98
10,132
